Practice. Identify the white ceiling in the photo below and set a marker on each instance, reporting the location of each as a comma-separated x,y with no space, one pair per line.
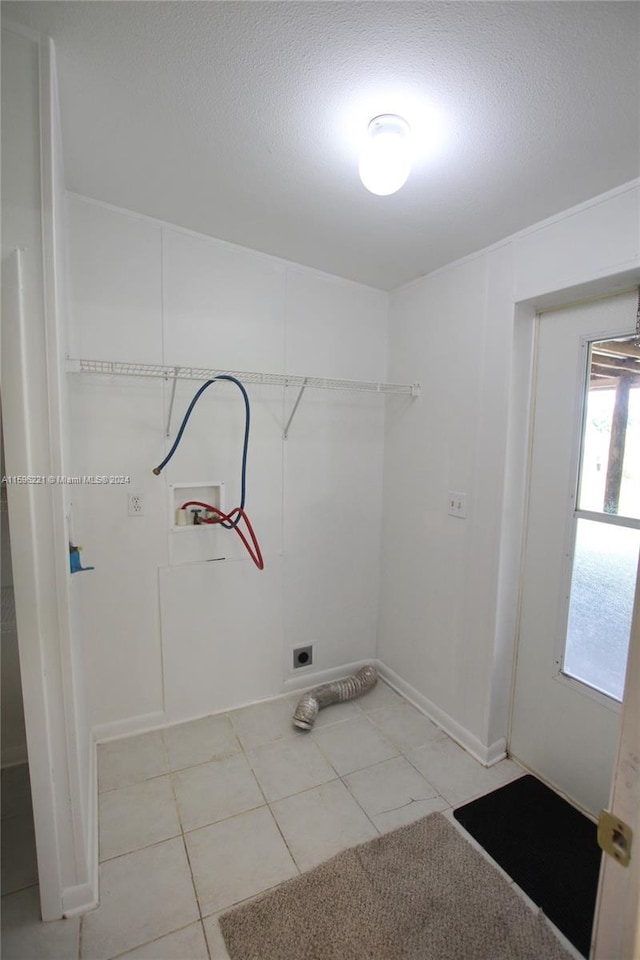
241,119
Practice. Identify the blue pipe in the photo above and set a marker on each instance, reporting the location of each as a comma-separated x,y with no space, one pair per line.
245,446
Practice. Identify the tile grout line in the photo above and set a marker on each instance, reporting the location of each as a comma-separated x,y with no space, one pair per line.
196,897
250,899
338,778
243,749
268,805
79,942
326,756
183,829
185,848
145,846
157,939
370,816
169,771
181,835
242,752
239,753
349,791
81,936
351,794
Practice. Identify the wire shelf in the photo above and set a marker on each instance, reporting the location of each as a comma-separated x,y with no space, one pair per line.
118,368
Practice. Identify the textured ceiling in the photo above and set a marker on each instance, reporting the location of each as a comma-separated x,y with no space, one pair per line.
241,119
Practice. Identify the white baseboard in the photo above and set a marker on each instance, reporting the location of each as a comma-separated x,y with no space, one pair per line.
79,899
313,679
85,896
496,752
147,722
128,727
486,755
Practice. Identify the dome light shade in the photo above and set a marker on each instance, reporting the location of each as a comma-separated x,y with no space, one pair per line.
385,160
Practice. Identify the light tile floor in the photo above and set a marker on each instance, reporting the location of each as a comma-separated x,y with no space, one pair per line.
201,816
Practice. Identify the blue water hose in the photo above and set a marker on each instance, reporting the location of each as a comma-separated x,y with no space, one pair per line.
245,446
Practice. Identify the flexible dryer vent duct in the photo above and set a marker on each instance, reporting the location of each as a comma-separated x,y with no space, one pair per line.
317,698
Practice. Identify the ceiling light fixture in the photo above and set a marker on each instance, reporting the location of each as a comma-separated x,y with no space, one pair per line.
385,160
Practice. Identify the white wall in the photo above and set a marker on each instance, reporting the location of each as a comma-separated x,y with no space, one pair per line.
449,586
166,641
185,640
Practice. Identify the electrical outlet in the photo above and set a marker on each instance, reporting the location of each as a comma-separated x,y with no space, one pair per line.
303,656
457,504
136,505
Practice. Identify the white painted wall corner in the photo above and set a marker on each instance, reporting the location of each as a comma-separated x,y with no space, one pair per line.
487,755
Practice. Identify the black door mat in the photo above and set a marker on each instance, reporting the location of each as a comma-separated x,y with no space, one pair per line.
546,846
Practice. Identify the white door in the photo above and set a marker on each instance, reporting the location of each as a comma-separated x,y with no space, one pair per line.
581,551
616,931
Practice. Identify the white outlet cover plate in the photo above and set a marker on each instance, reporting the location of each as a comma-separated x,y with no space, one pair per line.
136,505
457,504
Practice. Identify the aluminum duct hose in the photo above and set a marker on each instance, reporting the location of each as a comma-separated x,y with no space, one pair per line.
317,698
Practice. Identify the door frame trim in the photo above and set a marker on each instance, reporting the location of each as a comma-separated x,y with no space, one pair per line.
515,512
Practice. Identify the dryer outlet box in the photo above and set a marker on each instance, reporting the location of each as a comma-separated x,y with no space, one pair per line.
303,656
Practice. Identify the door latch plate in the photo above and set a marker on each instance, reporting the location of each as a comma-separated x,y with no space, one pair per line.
615,837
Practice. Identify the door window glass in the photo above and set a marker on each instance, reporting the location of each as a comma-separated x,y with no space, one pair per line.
607,521
601,604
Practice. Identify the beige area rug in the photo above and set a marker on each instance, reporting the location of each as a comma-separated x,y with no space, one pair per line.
419,893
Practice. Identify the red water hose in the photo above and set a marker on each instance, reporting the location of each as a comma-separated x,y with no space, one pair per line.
254,552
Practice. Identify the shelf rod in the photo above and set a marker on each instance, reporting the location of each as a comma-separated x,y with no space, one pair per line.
295,407
173,396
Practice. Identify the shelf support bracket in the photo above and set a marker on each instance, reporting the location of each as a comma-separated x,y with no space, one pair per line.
295,407
173,396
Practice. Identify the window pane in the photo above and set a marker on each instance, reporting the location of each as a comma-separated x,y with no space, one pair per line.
602,592
610,466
